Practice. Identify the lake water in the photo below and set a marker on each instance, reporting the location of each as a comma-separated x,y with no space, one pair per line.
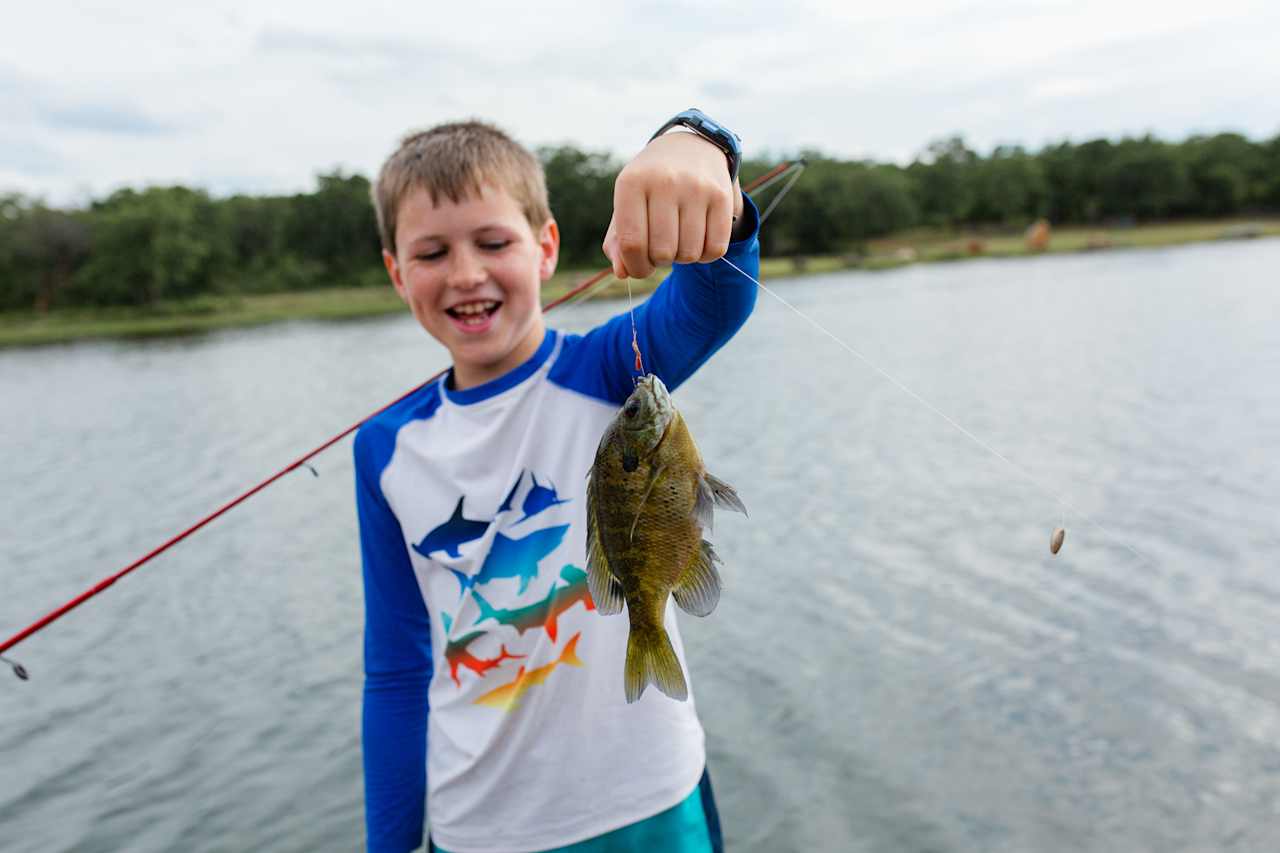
897,662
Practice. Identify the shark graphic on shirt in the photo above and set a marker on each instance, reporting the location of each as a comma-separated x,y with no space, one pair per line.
539,498
544,613
506,503
447,537
509,695
457,653
514,558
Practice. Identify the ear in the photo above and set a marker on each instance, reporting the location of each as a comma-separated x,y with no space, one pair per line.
393,271
549,245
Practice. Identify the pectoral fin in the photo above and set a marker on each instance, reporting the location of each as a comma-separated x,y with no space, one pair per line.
654,474
722,494
698,591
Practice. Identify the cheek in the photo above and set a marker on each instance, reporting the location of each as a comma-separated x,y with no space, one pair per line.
421,286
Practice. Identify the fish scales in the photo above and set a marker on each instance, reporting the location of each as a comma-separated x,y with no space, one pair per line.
647,504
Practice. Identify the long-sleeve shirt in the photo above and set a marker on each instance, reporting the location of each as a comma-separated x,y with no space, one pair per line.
492,689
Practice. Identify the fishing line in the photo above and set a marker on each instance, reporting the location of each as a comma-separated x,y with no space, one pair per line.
782,193
635,341
978,441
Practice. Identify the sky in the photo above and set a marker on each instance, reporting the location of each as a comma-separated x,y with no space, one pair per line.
260,97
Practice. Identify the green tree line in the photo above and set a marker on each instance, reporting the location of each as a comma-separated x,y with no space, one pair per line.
141,247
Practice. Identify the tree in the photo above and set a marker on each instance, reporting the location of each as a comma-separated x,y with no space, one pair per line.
1009,187
334,227
580,186
151,245
1145,179
943,180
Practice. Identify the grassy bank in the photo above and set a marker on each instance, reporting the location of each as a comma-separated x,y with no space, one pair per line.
219,312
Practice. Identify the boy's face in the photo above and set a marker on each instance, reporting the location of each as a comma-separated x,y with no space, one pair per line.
471,272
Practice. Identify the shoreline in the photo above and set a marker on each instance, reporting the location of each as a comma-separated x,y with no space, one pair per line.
213,313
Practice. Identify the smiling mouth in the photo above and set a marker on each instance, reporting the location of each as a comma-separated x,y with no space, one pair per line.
474,313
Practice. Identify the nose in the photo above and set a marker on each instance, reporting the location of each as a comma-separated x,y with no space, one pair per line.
465,268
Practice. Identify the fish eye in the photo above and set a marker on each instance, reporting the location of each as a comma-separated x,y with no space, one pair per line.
632,409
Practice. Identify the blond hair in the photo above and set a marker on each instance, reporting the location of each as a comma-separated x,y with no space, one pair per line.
456,160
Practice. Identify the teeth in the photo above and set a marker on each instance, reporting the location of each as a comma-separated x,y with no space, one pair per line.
474,308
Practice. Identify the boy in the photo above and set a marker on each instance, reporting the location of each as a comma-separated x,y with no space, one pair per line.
471,492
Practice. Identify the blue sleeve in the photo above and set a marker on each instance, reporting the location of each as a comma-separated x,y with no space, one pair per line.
693,313
397,662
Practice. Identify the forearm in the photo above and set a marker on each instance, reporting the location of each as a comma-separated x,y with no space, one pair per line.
394,742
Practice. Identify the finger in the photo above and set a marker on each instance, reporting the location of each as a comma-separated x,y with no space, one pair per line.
693,230
631,221
719,227
610,248
664,229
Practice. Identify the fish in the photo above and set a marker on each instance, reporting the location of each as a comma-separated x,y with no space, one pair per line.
458,653
509,695
545,613
458,530
649,498
513,558
506,504
540,498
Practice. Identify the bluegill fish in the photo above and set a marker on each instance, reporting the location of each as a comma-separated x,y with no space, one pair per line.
648,501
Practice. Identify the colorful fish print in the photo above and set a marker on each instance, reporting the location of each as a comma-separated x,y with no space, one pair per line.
544,613
458,654
514,558
506,504
539,498
447,537
508,696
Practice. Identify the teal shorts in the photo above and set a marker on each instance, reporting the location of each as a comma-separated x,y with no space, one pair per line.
690,826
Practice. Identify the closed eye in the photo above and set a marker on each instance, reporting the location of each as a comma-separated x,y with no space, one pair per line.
431,256
495,245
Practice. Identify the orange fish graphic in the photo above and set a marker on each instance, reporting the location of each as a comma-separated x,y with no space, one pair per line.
509,695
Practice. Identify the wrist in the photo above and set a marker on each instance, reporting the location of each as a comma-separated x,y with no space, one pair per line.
700,124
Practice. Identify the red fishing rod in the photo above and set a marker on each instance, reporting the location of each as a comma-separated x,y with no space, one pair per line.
760,183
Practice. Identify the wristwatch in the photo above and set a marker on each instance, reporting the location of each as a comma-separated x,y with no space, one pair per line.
712,131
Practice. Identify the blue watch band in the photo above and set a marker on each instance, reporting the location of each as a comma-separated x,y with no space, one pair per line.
712,131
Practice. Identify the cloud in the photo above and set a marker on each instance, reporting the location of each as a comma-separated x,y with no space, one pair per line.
262,95
723,90
104,118
278,40
29,157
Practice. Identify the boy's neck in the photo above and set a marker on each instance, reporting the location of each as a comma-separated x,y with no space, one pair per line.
468,375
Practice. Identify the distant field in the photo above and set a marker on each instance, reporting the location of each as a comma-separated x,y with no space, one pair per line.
210,313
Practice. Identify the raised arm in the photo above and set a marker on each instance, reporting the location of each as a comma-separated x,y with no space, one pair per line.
693,313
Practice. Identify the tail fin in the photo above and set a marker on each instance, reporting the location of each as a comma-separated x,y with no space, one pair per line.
465,581
570,653
486,609
652,660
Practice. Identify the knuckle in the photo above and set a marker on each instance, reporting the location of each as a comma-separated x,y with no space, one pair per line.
631,243
688,256
709,188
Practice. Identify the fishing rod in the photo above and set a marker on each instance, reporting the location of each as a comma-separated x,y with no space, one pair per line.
777,173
